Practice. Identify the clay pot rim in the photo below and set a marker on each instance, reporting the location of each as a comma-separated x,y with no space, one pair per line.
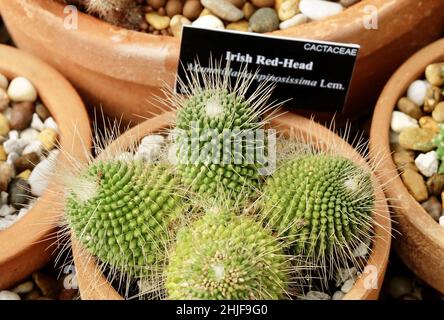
56,93
88,272
352,20
396,88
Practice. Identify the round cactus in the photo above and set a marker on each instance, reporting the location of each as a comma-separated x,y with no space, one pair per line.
217,143
122,212
223,256
322,204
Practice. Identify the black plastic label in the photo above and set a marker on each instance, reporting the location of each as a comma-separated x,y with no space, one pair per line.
311,75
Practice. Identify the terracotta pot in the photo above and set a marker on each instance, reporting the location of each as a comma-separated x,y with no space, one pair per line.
25,246
421,242
93,284
121,70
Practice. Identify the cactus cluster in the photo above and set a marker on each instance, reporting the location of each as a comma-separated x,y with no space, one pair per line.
223,256
123,213
136,216
321,203
203,120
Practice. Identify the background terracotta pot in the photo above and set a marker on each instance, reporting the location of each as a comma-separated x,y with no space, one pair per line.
421,243
120,69
25,246
93,284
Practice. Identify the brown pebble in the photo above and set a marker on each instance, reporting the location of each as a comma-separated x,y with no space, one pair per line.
438,112
21,115
47,285
42,111
156,4
192,9
263,3
33,295
68,294
433,97
238,3
173,7
4,100
19,193
410,108
248,9
161,11
415,184
403,159
427,122
435,184
6,172
433,207
435,74
26,162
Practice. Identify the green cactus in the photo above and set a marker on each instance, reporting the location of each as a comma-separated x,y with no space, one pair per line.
224,256
217,143
123,212
321,203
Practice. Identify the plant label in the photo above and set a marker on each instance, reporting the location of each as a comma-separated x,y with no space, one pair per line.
308,75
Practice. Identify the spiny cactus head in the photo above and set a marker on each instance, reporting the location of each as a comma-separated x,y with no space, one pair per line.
217,133
123,212
216,108
322,203
224,256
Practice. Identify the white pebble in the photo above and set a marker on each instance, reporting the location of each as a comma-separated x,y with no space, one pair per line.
50,123
401,121
29,135
441,221
317,295
319,9
6,210
150,148
338,295
343,274
427,163
347,286
14,145
3,82
13,135
208,22
417,91
21,89
37,123
24,287
361,250
34,146
40,176
11,158
8,295
153,139
294,21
